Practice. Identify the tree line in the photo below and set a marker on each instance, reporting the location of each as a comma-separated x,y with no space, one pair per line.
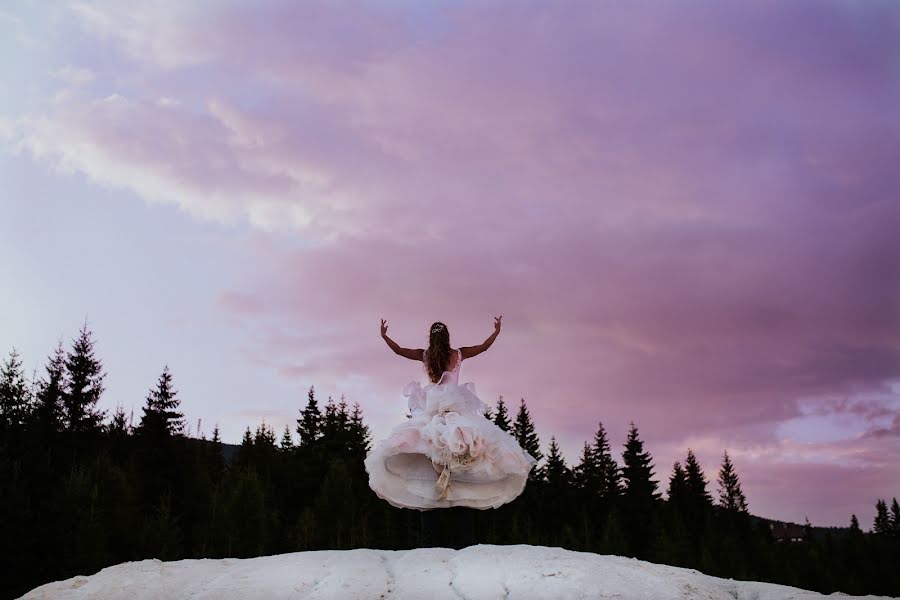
83,490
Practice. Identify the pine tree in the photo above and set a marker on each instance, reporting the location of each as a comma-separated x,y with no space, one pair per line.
15,395
586,473
678,486
358,432
731,497
639,496
523,431
882,523
309,425
161,417
287,442
119,425
215,457
49,409
854,525
85,386
696,482
556,473
501,418
609,473
330,426
895,517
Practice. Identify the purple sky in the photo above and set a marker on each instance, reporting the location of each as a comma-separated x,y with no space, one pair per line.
687,214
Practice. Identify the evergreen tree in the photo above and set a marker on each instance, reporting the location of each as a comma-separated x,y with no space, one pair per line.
358,433
854,525
882,523
215,459
731,498
15,396
556,473
309,425
895,517
49,410
287,442
610,478
523,431
119,425
696,481
678,487
586,473
330,420
85,386
161,417
501,418
640,495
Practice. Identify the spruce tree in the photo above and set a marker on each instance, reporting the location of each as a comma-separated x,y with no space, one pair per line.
309,425
15,395
882,523
731,498
639,496
330,419
586,473
501,417
85,385
119,424
556,473
161,417
696,482
854,525
895,518
678,487
610,478
287,442
358,433
49,409
523,431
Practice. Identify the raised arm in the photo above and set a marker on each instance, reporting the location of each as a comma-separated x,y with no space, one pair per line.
470,351
412,354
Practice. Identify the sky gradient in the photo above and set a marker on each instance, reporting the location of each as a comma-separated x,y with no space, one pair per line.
688,215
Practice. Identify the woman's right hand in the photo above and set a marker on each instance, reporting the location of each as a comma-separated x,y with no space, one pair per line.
497,324
383,328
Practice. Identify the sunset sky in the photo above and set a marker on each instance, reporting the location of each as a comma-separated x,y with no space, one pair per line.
688,214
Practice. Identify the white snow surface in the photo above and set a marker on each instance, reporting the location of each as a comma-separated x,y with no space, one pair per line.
481,571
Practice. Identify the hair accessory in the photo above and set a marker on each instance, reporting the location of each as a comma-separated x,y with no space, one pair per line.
437,327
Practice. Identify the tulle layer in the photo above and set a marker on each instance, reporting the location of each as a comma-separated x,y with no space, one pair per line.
488,468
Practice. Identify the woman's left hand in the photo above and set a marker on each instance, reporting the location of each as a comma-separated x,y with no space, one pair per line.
383,327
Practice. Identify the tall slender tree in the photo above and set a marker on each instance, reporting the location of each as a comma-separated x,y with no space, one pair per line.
501,417
895,518
610,475
731,498
49,409
525,434
85,385
557,475
678,487
882,523
639,496
287,442
309,425
15,395
359,443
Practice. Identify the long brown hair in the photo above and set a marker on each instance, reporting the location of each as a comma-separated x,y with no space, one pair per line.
437,355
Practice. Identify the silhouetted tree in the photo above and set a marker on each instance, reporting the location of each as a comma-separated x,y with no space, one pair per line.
49,407
85,385
309,425
161,416
882,523
524,432
731,498
501,417
15,395
640,496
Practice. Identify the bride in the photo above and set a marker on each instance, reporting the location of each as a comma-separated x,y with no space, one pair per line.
447,454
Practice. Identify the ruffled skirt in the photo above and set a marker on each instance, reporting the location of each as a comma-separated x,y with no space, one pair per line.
447,454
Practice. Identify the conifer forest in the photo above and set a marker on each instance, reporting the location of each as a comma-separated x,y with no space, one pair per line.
83,489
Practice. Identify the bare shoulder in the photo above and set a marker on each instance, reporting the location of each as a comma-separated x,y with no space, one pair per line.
470,351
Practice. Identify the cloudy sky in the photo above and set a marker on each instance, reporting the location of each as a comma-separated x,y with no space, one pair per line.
687,214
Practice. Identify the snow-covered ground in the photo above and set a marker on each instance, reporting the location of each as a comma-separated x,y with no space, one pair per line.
476,572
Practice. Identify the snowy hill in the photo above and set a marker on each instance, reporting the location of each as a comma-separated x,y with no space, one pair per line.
482,571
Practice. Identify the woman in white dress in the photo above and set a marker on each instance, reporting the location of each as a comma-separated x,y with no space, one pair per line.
447,454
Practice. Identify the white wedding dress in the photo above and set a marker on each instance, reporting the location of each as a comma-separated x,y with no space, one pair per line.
448,453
